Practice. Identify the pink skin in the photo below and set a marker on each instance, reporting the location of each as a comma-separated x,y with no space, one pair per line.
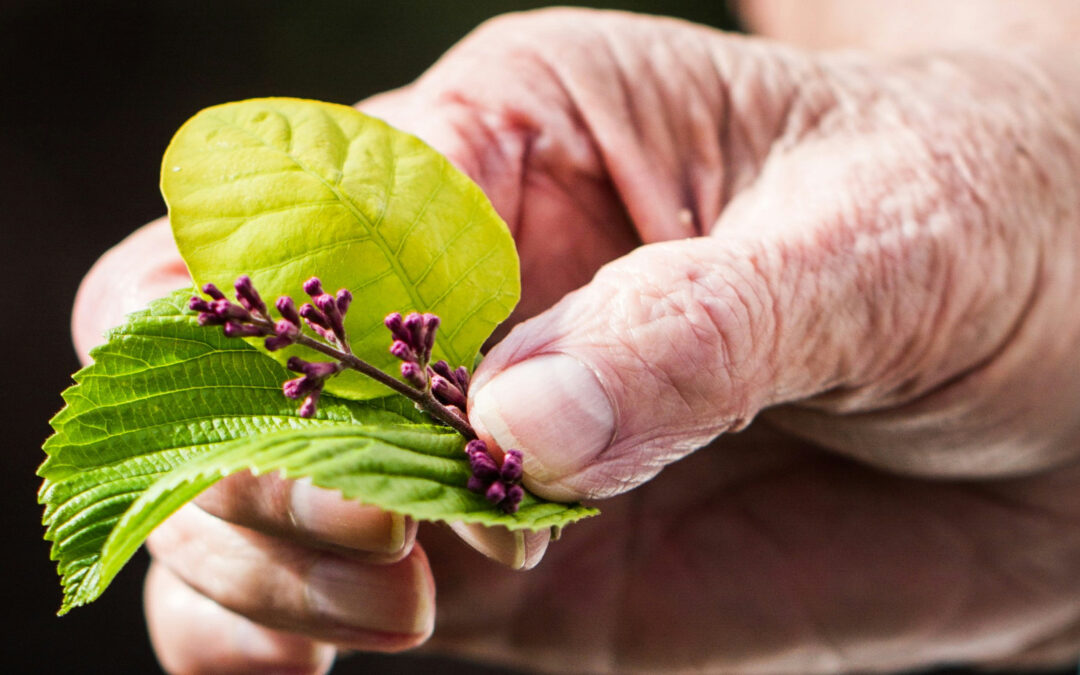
877,257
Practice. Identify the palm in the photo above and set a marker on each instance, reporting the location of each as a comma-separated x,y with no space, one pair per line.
911,201
756,553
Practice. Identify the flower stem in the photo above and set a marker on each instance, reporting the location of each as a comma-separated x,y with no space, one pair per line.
422,398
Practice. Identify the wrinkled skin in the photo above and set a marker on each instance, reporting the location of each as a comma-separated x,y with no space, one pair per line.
875,259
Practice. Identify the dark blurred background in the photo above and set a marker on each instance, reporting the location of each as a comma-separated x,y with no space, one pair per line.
91,94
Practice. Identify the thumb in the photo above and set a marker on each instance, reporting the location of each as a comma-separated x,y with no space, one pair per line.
666,348
681,341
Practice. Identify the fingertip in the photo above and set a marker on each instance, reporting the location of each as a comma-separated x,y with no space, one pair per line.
517,549
300,512
554,409
326,516
143,267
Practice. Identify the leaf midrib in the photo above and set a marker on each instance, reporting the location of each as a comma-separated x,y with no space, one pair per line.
403,277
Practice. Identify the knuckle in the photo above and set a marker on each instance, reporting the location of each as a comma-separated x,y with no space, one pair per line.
693,322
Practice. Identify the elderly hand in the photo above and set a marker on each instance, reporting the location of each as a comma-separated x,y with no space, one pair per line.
877,258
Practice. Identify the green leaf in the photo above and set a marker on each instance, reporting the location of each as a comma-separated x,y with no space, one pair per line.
281,189
168,407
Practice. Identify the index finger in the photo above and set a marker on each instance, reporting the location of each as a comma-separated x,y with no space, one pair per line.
143,267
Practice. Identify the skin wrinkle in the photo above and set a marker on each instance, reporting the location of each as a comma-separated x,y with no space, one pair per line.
725,140
710,141
688,198
766,297
624,182
858,491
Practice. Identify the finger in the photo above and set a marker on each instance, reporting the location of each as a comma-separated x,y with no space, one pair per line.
870,272
646,363
678,342
517,549
192,634
313,592
143,267
499,105
307,515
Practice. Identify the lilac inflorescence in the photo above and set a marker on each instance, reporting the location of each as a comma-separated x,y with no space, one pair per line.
435,386
500,485
250,317
414,338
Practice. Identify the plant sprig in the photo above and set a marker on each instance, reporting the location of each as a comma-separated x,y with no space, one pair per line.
434,388
414,337
276,188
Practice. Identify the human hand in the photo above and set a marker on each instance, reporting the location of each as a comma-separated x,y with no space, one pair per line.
880,254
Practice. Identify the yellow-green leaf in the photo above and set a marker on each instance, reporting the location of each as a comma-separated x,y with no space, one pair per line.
283,189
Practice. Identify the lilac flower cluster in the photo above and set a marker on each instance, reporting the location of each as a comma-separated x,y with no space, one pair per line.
414,337
500,485
435,387
249,317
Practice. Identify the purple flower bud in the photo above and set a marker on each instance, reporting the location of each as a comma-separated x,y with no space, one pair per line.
461,376
413,375
208,319
483,466
317,370
229,310
394,322
301,386
322,369
447,392
313,316
344,299
313,286
496,492
213,292
286,329
511,470
328,305
307,408
197,304
277,342
476,485
431,324
237,329
414,324
403,351
248,296
441,367
287,309
514,495
476,445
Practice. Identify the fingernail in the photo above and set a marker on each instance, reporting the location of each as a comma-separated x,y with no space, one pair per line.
519,550
553,409
387,598
329,518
